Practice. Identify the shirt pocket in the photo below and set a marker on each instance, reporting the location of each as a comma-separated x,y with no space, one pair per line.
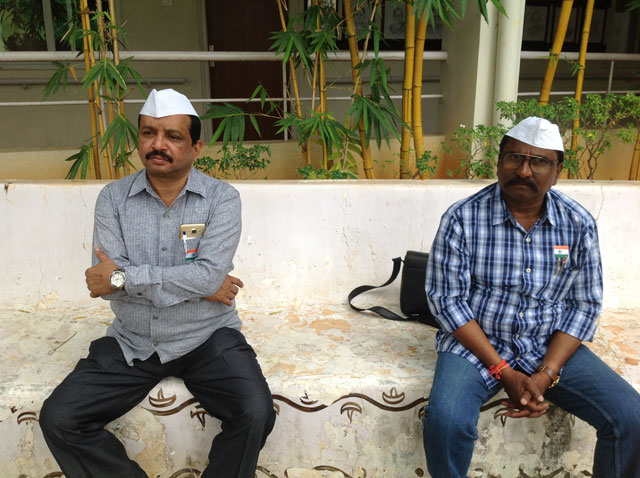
560,284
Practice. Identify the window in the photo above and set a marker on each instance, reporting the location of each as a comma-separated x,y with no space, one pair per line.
34,25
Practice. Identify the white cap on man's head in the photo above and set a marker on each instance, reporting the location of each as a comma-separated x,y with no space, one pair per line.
166,103
538,132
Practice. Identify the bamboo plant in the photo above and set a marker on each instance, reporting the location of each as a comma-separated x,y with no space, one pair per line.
556,49
113,136
419,15
409,59
582,65
305,43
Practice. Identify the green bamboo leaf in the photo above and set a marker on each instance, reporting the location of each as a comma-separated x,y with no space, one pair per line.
256,91
482,5
93,74
499,6
84,167
254,122
79,159
115,74
219,130
58,78
302,51
226,135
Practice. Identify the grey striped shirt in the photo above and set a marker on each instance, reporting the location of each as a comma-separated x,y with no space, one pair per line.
161,309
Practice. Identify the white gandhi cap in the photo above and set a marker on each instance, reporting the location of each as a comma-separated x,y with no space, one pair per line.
166,103
538,132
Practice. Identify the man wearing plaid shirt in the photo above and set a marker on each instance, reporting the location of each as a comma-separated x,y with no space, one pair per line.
515,280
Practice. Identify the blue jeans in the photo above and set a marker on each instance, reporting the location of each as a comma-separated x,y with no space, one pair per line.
588,388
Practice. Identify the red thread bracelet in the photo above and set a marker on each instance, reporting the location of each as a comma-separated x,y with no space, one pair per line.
496,370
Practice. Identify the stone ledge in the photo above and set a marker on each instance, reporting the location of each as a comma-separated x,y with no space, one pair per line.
348,388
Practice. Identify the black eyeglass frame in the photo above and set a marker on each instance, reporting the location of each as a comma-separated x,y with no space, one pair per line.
541,164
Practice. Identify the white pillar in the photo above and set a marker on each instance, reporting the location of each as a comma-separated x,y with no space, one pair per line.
508,54
467,77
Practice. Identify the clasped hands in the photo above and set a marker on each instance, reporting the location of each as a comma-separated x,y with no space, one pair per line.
526,394
98,281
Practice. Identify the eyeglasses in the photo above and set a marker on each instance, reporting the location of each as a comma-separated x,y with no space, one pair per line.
538,164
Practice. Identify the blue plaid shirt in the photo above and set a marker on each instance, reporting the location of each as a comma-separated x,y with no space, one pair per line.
484,265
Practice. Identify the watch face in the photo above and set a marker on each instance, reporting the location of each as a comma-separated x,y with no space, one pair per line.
117,279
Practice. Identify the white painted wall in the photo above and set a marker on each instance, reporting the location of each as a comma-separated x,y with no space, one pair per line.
302,241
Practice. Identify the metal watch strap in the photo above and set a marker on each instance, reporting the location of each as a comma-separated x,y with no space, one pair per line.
121,271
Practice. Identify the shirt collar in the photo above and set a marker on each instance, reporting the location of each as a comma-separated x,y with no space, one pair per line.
195,184
500,212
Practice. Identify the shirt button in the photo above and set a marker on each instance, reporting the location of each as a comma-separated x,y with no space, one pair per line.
528,270
164,249
528,239
155,344
165,215
139,293
521,314
517,336
155,317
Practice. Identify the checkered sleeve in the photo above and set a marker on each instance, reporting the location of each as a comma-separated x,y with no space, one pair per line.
448,277
584,299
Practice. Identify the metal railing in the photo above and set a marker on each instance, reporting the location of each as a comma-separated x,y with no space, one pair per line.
612,58
252,56
209,56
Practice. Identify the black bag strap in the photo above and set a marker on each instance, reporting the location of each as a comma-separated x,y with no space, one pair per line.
386,313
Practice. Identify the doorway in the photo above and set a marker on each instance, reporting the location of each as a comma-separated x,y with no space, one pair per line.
244,25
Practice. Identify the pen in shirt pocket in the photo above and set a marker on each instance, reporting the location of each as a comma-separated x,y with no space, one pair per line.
190,235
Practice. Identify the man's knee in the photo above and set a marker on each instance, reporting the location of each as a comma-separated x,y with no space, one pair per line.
52,417
256,415
446,421
47,417
262,411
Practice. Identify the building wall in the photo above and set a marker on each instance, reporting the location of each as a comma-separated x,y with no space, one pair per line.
151,25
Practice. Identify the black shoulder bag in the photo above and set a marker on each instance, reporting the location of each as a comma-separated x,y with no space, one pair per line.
413,298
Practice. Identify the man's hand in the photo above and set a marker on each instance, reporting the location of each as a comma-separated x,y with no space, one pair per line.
525,394
227,291
98,276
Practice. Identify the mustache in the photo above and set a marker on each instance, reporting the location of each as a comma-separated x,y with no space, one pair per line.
524,181
155,152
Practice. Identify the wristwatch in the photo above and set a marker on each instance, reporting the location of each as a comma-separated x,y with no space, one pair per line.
118,279
555,378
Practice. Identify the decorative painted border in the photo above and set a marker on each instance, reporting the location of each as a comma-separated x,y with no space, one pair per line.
391,402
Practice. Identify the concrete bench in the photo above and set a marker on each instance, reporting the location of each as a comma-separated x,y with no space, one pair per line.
349,388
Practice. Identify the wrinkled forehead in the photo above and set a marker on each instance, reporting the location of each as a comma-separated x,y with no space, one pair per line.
516,146
173,122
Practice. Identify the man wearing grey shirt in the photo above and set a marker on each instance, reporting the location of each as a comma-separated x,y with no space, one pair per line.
164,242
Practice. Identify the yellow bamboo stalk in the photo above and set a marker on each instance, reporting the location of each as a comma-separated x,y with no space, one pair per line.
92,102
116,60
294,80
582,60
416,94
323,109
96,87
556,48
314,82
105,120
634,170
409,47
322,87
367,162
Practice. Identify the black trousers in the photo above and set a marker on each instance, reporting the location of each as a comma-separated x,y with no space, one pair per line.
222,374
